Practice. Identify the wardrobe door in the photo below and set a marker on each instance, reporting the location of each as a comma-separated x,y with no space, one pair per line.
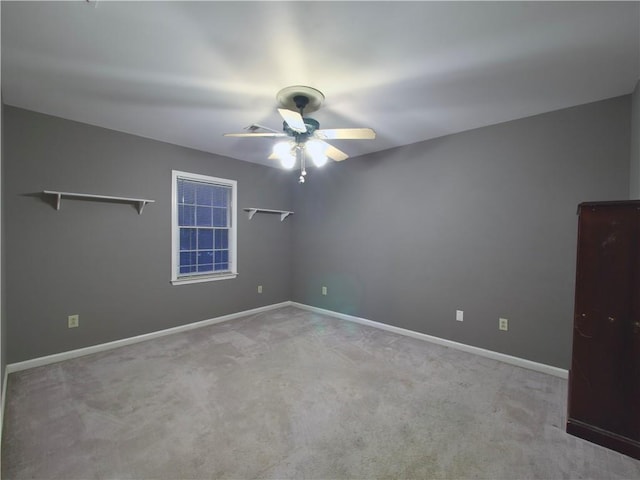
603,388
634,329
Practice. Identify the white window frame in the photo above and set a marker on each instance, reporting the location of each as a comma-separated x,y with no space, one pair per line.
182,279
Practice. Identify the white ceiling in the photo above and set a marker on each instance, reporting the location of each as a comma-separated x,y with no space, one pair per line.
187,72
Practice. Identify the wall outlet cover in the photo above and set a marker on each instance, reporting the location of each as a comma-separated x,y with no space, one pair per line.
503,324
460,315
73,321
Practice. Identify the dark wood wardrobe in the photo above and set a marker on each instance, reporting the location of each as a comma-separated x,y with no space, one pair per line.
604,380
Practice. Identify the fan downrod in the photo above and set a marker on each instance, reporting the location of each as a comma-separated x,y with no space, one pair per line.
301,102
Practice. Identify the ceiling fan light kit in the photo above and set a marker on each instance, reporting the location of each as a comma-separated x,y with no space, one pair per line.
306,139
285,153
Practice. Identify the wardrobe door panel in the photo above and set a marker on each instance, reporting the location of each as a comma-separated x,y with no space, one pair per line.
634,333
604,375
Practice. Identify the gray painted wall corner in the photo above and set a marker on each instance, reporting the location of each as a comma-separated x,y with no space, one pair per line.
105,262
483,221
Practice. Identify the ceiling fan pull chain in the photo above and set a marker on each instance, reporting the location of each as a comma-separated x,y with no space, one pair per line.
303,170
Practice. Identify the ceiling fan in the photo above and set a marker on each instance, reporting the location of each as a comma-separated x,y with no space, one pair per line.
305,137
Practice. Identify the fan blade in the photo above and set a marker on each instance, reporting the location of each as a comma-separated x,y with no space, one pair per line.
293,119
333,153
254,127
256,134
346,134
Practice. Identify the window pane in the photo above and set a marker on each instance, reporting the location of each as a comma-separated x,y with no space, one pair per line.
220,195
186,192
205,239
205,268
221,256
188,269
221,266
217,195
204,258
186,215
203,216
204,194
222,238
187,259
220,217
188,238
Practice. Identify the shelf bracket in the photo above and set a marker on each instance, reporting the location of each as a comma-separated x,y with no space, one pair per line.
284,215
252,212
141,205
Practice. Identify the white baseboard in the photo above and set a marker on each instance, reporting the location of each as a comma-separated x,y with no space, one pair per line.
59,357
501,357
3,403
4,397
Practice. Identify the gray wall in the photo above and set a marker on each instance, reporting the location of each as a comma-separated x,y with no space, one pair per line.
3,310
105,262
634,166
483,221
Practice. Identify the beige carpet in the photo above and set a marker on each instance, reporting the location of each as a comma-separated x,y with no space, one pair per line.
291,394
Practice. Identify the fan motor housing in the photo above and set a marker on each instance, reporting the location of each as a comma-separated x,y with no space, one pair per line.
312,125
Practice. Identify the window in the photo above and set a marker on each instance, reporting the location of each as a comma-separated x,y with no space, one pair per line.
203,220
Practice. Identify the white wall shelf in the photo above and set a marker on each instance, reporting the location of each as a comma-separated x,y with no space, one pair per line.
283,213
141,202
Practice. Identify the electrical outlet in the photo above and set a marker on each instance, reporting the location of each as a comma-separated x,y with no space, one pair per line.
459,315
73,321
503,324
259,288
324,290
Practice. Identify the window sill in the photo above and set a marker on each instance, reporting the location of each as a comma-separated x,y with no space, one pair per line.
203,278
